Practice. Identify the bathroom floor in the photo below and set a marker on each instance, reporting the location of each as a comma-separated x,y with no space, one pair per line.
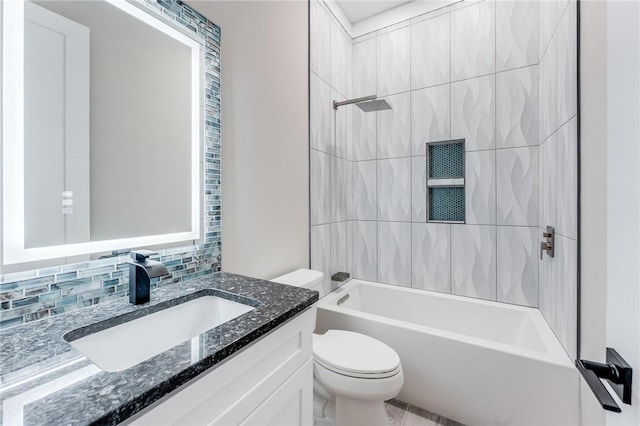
403,414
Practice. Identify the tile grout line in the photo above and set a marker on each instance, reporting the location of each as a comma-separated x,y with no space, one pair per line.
465,155
411,274
375,38
495,125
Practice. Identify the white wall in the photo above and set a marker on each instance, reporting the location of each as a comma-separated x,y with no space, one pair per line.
593,265
623,193
265,172
610,107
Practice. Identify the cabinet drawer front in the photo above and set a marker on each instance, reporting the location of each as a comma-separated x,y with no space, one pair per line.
236,387
291,404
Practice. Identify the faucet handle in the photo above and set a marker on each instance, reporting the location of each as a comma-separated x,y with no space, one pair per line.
543,247
142,255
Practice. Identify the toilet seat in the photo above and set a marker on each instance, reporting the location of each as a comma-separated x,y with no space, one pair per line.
363,389
355,355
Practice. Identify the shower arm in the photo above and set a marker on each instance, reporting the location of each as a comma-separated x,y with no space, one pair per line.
337,104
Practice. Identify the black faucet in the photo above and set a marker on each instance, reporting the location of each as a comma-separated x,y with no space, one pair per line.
141,270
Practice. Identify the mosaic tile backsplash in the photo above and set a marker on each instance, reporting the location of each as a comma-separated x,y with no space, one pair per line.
37,294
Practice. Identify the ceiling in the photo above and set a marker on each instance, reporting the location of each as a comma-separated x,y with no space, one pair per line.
359,10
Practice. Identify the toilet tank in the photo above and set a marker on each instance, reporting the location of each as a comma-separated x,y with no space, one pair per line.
307,278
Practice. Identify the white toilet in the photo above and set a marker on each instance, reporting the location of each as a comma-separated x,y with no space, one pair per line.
355,372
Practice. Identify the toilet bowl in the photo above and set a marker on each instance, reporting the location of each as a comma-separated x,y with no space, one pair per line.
352,372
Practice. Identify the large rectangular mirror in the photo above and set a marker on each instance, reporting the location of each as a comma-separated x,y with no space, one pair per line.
101,129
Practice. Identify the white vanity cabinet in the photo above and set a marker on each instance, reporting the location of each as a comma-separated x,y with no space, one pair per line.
270,382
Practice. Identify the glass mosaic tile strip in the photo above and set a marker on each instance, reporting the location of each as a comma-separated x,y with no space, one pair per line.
446,204
446,160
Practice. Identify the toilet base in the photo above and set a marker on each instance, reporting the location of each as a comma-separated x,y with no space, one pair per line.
324,411
359,412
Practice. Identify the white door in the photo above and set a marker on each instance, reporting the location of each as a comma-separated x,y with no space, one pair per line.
623,195
56,150
610,142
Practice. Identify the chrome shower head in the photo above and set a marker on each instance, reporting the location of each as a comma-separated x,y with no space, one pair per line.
366,104
374,105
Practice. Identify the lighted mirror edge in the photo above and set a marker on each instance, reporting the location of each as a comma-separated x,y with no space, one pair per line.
13,144
53,252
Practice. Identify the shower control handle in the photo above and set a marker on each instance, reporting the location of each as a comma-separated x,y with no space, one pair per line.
548,245
544,247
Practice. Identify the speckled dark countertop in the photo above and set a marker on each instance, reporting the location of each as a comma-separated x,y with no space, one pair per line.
45,381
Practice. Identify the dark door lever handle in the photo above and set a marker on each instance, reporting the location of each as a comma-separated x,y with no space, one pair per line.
616,371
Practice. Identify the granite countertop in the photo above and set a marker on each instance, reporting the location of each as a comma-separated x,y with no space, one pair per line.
44,380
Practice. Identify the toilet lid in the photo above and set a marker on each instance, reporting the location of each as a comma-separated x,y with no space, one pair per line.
354,354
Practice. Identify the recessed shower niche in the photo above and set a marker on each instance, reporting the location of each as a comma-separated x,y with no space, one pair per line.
445,181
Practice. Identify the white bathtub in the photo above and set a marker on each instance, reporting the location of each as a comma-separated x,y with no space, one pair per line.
477,362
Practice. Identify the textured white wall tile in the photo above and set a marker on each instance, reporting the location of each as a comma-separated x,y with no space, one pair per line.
320,170
349,68
321,251
518,265
438,12
567,65
341,189
430,117
517,107
394,253
430,53
516,34
548,92
419,189
567,175
344,148
394,189
394,131
562,6
364,134
473,261
548,20
480,187
393,62
321,115
320,40
341,247
365,250
546,295
547,183
365,190
393,27
473,112
558,293
338,59
364,68
341,122
320,35
517,184
430,249
473,44
364,37
566,284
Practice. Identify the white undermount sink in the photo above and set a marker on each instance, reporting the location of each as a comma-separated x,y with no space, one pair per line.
125,345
